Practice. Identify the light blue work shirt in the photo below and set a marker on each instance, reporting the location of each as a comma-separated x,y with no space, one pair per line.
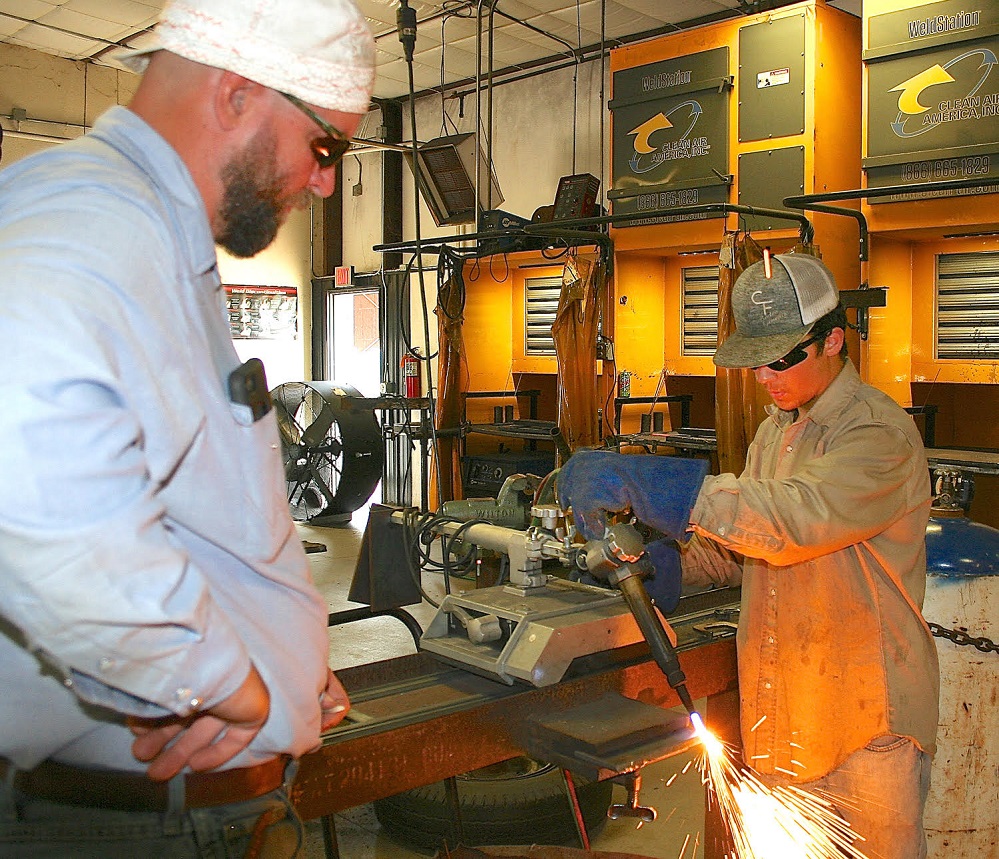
147,553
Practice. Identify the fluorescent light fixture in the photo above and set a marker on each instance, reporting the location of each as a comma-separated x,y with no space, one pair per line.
446,179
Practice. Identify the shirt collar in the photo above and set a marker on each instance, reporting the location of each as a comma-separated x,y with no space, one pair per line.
134,138
828,404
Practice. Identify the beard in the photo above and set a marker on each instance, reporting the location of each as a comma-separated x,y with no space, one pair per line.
253,204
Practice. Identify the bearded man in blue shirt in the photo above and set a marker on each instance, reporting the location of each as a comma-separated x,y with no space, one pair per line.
163,651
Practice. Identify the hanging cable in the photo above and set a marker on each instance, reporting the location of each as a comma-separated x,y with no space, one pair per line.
443,102
445,117
575,84
603,97
406,24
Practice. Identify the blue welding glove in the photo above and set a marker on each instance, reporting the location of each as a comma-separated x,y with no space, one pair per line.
664,585
659,490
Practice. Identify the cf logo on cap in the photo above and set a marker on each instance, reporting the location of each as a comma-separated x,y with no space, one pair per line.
759,301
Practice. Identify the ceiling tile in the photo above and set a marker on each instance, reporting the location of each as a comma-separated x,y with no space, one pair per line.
68,21
52,41
129,13
30,10
8,28
141,39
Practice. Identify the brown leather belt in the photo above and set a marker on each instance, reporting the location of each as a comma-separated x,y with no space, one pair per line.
127,791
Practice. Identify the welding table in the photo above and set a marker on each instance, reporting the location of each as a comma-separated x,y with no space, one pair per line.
971,460
416,720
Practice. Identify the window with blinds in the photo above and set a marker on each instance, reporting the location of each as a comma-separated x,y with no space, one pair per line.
541,295
968,306
700,310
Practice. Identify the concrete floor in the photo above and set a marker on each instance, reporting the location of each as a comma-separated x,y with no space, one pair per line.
672,787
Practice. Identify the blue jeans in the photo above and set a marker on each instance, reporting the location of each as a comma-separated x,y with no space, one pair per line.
880,791
36,829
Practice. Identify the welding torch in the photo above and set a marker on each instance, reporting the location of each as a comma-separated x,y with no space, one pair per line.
620,559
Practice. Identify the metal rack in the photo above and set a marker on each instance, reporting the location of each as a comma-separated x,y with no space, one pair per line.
396,419
578,232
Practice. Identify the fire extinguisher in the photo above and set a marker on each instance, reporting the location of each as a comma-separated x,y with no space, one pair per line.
411,374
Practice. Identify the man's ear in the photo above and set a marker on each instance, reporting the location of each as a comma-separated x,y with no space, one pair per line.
235,98
833,344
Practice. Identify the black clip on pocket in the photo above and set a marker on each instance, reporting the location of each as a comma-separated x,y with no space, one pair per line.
248,385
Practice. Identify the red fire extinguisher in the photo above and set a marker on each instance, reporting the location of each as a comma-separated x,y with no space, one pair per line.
411,374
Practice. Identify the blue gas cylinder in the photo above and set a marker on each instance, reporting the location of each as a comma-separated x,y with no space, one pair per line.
956,546
962,593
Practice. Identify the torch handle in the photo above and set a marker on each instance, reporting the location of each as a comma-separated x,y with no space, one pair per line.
652,628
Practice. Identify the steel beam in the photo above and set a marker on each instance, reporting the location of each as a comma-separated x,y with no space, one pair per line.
416,721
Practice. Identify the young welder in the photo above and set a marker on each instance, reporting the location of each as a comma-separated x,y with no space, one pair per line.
824,530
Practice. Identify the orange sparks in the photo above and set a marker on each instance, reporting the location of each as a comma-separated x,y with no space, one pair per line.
768,822
683,849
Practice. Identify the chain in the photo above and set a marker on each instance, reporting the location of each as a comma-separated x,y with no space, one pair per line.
960,637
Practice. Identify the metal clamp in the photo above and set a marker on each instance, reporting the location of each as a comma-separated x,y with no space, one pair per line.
633,782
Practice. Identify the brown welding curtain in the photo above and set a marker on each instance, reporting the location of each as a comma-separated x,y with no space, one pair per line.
445,483
739,401
575,334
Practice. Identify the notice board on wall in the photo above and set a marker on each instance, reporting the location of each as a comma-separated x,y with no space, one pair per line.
933,95
262,312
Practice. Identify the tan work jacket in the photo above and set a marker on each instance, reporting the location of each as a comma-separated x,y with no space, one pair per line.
829,517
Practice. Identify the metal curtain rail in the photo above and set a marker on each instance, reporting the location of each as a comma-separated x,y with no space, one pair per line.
814,202
575,230
805,226
436,244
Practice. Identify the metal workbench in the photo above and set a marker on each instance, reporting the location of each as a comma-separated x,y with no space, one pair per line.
416,720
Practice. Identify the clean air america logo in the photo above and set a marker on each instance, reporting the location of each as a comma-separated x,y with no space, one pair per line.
666,146
920,106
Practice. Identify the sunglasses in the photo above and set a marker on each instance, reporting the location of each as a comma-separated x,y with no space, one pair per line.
326,150
795,356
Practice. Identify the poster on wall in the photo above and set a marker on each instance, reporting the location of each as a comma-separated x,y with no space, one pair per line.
262,312
670,136
933,96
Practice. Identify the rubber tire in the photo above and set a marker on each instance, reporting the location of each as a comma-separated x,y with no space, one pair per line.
520,801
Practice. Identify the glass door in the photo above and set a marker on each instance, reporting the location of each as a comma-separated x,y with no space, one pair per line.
354,354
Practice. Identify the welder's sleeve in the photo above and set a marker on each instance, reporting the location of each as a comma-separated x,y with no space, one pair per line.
659,490
706,564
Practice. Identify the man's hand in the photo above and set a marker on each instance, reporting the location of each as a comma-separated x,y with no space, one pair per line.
333,702
205,740
659,490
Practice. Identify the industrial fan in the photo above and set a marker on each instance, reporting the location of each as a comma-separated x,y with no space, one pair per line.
332,452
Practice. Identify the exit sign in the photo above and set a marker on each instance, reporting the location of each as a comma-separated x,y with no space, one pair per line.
343,275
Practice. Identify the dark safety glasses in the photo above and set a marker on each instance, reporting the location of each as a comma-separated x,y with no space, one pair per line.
795,356
326,150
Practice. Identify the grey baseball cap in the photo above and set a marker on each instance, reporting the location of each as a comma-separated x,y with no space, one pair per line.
773,314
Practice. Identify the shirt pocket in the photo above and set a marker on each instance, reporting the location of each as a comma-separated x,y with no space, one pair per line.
229,487
263,522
